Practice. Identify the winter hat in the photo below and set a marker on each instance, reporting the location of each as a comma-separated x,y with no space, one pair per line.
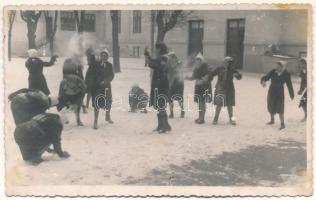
32,52
199,56
105,51
228,59
303,60
282,63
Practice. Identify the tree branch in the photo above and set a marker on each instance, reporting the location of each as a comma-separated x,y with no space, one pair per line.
23,17
172,20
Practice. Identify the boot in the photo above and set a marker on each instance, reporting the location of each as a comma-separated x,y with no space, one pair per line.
282,126
271,121
159,123
165,126
200,120
217,112
108,117
282,122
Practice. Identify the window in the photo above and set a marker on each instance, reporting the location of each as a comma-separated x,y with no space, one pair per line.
137,21
89,23
67,21
136,51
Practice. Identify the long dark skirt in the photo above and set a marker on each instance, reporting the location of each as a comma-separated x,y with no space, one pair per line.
38,82
275,103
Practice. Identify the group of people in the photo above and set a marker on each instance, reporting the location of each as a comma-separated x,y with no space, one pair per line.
37,130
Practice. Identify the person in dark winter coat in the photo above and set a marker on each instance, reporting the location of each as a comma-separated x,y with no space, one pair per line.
224,89
278,76
138,99
35,66
303,87
72,88
36,135
26,103
202,88
89,74
176,82
159,85
100,89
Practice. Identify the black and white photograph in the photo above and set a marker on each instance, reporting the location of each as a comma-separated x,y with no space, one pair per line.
146,100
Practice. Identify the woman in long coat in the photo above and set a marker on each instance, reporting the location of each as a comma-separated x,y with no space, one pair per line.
278,76
176,82
35,66
159,86
203,87
303,87
225,89
100,88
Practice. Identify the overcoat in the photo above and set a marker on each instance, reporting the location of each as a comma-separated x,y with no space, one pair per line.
176,80
203,86
36,78
37,134
101,91
275,99
159,83
224,88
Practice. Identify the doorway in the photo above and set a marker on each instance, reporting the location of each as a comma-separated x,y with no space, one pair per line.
235,41
196,34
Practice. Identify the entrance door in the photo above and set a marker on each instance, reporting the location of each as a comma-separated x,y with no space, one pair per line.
235,41
196,33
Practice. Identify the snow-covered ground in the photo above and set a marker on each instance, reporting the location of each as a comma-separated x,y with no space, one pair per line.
128,152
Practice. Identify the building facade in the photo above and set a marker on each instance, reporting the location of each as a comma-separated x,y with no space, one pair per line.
246,35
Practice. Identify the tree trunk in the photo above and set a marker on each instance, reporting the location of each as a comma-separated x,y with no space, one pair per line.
152,33
9,44
160,36
31,36
11,21
51,46
115,41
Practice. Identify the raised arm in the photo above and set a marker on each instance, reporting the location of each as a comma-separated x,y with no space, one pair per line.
51,61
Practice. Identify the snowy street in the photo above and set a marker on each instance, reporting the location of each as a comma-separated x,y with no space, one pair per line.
129,152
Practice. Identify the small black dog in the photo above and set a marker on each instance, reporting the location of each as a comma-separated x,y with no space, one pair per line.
138,99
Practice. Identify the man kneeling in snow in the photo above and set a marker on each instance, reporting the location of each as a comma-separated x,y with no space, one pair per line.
138,99
36,135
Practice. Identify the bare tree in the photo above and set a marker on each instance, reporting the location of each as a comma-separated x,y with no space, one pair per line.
152,31
167,20
31,18
12,14
51,28
115,40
